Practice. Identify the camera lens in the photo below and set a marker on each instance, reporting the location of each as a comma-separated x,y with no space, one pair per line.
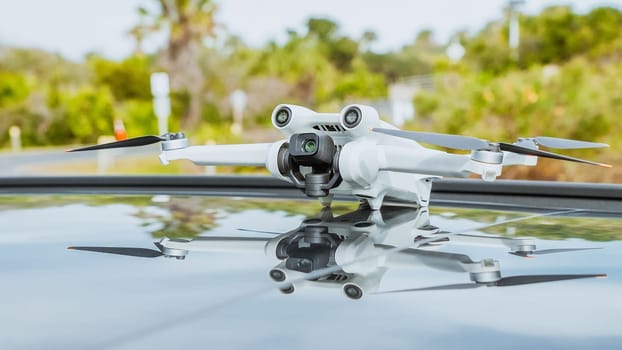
353,292
304,264
277,275
352,117
287,290
282,117
309,146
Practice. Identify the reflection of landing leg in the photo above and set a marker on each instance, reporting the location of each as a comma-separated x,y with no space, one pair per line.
376,203
327,201
326,214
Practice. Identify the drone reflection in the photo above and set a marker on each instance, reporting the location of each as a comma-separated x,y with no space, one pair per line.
351,253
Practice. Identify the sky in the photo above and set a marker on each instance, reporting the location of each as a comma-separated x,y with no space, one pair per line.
74,27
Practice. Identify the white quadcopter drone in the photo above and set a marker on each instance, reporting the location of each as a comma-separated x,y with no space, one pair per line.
356,153
351,253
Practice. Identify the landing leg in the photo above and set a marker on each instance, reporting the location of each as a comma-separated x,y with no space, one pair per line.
327,201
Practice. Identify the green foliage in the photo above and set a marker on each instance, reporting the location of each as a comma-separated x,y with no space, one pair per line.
360,84
28,121
13,89
573,100
426,103
138,117
42,65
211,114
128,79
396,65
324,28
86,114
555,35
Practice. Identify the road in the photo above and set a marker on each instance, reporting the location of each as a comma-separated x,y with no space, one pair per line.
31,162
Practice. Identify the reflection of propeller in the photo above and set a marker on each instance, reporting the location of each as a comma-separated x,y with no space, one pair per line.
525,254
259,231
133,142
503,282
469,143
138,252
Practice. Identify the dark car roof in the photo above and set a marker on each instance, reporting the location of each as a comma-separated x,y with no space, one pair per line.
58,298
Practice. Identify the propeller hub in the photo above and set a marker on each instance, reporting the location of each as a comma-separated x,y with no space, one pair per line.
176,253
526,248
485,277
173,141
487,156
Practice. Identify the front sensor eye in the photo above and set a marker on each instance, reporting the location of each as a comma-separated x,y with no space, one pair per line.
282,117
352,117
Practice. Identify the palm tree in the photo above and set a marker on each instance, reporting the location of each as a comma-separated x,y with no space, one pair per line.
188,23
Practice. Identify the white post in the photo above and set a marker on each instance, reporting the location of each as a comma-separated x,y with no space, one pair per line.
106,158
514,29
514,34
455,51
161,101
401,98
210,169
15,133
238,101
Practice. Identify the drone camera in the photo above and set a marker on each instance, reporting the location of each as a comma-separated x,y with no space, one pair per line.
314,151
311,149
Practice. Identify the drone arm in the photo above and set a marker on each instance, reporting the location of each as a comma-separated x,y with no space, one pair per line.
510,158
243,154
438,260
441,261
493,241
219,244
422,161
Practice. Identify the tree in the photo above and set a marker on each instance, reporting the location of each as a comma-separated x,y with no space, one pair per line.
367,39
188,23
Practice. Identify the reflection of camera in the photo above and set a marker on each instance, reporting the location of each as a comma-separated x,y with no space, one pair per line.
278,275
304,264
308,250
312,150
353,291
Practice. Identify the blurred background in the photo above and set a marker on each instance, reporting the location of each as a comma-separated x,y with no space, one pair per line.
75,72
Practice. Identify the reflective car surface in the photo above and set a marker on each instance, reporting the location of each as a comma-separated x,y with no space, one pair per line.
271,273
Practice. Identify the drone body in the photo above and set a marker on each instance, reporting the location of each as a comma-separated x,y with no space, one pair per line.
355,153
